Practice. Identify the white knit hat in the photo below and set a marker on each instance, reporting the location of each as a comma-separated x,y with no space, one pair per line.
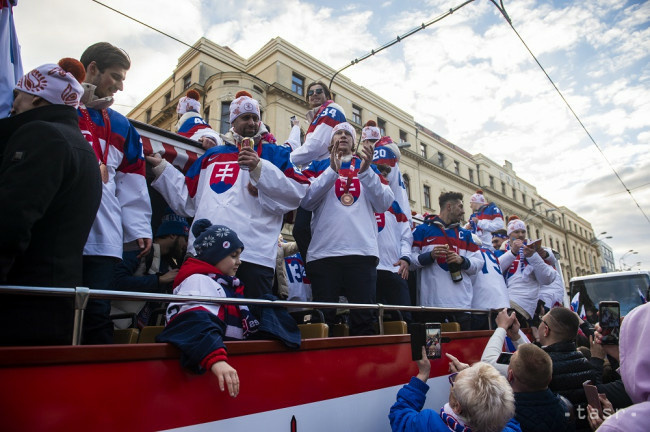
370,131
515,224
189,102
478,197
55,82
346,126
243,103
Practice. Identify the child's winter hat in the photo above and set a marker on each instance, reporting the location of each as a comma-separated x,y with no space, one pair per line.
214,242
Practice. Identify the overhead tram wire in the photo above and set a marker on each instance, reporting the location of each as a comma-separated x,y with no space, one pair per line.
180,41
502,9
399,39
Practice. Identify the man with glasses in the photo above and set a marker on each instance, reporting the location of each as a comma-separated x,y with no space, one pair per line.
557,333
323,116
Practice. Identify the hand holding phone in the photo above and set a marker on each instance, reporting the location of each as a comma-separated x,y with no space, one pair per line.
609,319
591,391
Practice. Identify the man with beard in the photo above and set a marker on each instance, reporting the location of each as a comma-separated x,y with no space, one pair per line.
247,184
154,272
446,257
123,221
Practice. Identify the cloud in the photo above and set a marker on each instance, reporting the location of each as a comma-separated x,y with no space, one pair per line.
467,77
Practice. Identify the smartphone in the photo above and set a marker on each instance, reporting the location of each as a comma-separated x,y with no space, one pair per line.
534,243
591,391
432,342
609,318
425,335
504,358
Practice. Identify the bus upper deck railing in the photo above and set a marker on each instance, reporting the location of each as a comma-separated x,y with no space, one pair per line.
81,296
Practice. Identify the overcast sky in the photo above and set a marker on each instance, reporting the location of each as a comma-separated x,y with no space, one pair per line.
468,77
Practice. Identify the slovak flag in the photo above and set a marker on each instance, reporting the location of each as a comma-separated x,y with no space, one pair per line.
575,302
381,221
224,176
643,299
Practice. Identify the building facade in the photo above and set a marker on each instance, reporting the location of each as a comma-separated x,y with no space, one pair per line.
277,76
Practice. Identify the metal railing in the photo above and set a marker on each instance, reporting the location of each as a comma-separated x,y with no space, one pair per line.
81,296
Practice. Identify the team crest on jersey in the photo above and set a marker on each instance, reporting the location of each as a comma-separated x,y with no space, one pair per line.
381,221
224,176
340,186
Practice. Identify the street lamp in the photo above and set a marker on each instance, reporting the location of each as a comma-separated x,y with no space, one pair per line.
620,260
597,240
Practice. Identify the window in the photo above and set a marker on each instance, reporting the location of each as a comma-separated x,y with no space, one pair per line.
471,175
427,196
402,136
168,98
297,84
258,89
523,199
230,82
457,167
187,81
407,185
225,118
356,114
381,124
441,159
147,115
537,234
206,114
491,182
423,150
503,188
514,194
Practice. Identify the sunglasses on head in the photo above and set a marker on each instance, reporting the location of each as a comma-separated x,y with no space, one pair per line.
317,91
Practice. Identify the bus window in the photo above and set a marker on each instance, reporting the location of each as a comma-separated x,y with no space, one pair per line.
629,290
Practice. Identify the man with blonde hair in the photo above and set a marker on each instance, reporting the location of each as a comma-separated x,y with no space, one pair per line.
480,399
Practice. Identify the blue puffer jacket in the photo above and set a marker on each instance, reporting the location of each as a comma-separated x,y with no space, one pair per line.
406,415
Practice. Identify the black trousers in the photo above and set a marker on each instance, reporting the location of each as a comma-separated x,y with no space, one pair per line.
302,231
257,279
392,289
354,277
98,274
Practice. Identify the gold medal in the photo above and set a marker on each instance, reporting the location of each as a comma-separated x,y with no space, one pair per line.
347,199
103,171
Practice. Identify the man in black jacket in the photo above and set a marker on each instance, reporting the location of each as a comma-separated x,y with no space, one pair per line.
557,334
537,409
50,189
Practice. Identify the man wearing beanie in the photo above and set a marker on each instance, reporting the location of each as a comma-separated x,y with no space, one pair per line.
322,117
486,218
153,272
190,123
395,237
199,329
248,184
524,269
343,255
123,221
50,187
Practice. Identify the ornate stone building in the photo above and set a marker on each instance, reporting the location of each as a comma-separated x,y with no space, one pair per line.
277,76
